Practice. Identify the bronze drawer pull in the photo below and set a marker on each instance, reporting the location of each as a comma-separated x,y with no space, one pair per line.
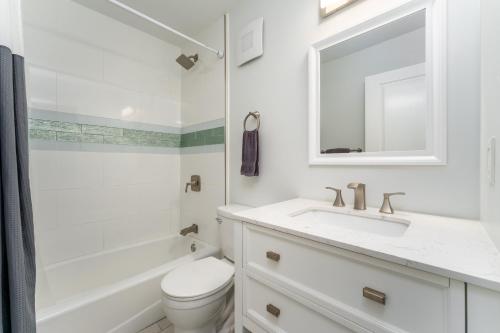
273,310
374,295
273,256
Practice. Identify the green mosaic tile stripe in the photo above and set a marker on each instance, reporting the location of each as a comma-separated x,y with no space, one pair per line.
50,130
102,130
51,125
79,137
213,136
40,134
147,138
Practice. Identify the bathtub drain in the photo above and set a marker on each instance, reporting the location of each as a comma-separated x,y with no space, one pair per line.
193,247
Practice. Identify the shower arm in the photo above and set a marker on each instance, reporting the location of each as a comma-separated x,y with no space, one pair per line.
219,53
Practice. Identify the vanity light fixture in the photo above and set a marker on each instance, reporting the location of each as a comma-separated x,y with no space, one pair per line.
328,7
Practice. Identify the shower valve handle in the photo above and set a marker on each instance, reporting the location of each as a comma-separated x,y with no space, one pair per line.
195,184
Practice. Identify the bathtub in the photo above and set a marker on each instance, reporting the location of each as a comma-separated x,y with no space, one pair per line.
116,291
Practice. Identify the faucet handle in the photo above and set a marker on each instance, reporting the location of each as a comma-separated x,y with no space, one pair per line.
195,184
386,205
339,201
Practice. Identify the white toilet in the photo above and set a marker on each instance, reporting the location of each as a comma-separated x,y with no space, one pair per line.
194,294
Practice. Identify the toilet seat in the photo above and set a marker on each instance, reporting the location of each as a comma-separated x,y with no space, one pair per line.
198,280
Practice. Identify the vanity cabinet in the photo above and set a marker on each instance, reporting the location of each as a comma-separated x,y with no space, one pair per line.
291,284
483,310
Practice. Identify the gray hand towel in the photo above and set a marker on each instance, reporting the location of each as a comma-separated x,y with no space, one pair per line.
250,154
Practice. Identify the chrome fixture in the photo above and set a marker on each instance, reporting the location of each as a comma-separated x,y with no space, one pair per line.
359,195
386,205
195,184
188,230
187,62
339,201
219,53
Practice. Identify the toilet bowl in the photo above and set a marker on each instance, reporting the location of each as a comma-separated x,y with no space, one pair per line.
194,294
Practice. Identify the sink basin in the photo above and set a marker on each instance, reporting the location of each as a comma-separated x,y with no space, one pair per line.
364,222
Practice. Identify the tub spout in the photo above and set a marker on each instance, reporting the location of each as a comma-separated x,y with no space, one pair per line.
193,228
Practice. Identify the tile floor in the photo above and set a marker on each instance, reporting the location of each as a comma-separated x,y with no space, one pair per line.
162,326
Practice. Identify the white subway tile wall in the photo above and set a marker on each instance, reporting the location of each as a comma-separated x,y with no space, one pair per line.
71,71
42,88
87,202
60,53
84,63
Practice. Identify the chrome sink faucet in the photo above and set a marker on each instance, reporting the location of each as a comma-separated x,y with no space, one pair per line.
359,195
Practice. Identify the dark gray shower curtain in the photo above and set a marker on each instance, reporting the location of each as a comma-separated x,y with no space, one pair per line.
17,248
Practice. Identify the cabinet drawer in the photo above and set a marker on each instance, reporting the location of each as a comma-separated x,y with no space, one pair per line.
275,312
378,295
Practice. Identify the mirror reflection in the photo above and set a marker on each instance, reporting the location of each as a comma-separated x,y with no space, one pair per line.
374,90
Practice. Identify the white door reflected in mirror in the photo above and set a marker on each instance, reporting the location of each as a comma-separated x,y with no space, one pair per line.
395,110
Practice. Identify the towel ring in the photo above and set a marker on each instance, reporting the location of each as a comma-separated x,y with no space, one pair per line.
256,115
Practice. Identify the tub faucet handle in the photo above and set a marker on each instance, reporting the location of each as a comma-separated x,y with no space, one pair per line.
339,201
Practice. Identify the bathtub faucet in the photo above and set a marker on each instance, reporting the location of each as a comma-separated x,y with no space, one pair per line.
193,228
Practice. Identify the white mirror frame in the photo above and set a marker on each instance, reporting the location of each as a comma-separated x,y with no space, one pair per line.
436,74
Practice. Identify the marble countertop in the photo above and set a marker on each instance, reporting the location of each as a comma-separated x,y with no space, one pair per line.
455,248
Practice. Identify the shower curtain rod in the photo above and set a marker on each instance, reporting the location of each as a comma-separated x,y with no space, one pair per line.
220,54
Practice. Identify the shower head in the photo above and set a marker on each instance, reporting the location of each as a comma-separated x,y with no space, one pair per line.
187,62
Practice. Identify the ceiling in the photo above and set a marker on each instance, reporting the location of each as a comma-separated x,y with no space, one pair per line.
388,31
187,16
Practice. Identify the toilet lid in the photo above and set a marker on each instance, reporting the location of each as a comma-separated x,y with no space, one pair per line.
198,278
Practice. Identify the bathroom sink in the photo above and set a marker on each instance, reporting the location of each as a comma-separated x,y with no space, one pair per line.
364,222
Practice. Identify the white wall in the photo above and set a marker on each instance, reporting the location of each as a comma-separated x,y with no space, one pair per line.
84,63
203,100
276,85
343,86
490,53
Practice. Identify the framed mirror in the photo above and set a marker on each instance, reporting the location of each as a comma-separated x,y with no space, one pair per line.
378,90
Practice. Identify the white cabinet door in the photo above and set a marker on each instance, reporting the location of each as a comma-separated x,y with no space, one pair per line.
395,110
483,310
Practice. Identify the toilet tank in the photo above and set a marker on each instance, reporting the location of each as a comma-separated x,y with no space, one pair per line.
226,220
